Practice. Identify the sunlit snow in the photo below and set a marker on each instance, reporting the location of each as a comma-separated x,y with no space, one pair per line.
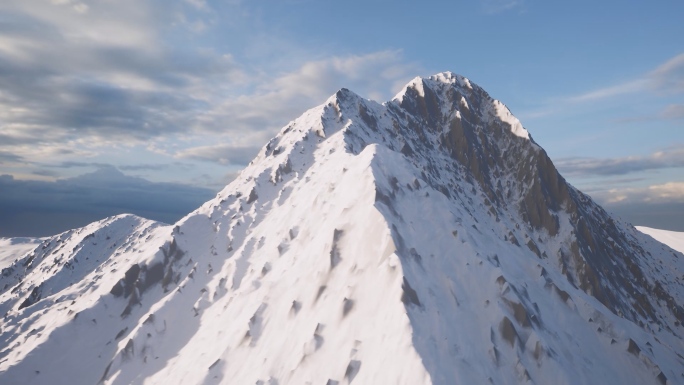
411,242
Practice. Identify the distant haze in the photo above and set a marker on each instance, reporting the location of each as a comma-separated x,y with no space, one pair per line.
37,208
665,216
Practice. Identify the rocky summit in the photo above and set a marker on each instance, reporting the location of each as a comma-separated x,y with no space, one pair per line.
426,240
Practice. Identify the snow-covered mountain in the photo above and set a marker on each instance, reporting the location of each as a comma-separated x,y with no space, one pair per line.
426,240
674,239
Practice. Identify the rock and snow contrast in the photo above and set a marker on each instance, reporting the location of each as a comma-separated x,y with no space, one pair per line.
674,239
426,240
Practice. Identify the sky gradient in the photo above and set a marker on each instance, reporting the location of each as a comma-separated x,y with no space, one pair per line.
175,97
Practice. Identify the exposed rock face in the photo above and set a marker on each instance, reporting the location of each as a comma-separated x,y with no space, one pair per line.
427,240
480,135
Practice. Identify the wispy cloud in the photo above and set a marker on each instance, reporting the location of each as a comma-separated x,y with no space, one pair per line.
668,158
9,158
154,167
671,192
611,91
667,78
220,153
654,204
118,83
279,98
498,6
673,111
121,85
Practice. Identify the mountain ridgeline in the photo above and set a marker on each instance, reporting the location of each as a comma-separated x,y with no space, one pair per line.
426,240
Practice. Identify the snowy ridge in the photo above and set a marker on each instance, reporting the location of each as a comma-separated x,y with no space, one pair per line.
673,239
427,240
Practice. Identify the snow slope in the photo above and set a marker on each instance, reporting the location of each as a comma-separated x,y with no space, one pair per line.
674,239
426,240
11,247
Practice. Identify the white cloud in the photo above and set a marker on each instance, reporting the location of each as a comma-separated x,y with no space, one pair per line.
673,111
199,4
616,196
281,98
85,76
670,192
73,81
221,153
124,23
608,92
670,157
669,76
497,6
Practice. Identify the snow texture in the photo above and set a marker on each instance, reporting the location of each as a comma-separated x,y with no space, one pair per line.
426,240
674,239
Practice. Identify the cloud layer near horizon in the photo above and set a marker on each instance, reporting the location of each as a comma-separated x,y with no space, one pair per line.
672,157
38,208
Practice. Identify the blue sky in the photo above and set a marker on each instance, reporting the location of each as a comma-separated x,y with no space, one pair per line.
183,92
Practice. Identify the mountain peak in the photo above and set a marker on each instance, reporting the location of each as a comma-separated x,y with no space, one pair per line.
446,77
430,229
452,93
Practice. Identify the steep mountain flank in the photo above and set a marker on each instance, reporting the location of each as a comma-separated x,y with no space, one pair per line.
426,240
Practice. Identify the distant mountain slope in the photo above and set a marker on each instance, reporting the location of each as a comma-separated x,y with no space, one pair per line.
10,248
426,240
674,239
